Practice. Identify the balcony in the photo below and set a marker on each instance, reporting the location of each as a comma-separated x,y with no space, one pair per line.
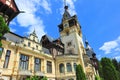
39,73
25,72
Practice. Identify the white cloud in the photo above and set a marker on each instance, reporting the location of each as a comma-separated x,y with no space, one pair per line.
111,46
117,57
71,6
29,19
12,30
46,5
117,49
99,57
12,23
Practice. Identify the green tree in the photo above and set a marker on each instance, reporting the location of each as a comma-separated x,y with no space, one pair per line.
33,78
37,78
3,28
100,70
44,78
80,75
108,69
115,63
97,77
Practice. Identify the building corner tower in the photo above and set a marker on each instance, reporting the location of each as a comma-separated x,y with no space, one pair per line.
71,36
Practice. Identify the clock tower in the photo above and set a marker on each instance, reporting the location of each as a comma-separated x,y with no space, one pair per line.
71,36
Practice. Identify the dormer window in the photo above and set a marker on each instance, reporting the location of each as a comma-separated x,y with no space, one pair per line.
29,44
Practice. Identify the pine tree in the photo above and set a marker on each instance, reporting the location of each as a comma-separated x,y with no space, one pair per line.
80,75
115,63
3,28
108,69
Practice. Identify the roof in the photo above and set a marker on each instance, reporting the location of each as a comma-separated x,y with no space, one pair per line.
45,50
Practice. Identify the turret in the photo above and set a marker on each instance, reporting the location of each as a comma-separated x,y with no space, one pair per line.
33,36
91,54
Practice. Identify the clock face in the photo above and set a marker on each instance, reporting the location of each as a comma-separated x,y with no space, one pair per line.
65,25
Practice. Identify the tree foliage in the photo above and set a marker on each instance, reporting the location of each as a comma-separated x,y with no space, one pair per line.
80,75
37,78
33,78
100,70
97,77
3,28
116,64
108,69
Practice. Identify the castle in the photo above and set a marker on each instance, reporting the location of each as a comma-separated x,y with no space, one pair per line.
23,57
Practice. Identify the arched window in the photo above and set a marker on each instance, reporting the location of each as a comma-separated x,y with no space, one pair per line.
69,67
61,68
75,66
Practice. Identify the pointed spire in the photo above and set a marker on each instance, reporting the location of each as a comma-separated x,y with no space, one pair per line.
64,2
66,14
87,45
34,33
65,5
86,42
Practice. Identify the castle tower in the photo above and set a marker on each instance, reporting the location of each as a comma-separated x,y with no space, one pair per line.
8,10
71,36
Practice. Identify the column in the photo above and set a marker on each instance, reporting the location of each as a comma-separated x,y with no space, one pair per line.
32,64
65,68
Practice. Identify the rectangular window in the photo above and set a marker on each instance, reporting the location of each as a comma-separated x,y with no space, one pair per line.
7,57
24,62
36,47
1,51
37,64
49,67
69,44
29,44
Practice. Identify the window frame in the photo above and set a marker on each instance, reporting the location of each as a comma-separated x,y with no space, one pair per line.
37,65
49,67
75,65
69,67
7,59
24,62
61,68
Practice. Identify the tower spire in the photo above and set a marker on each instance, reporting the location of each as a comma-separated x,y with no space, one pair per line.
65,5
66,14
64,2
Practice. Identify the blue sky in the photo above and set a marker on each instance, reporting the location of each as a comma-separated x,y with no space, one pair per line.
100,21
